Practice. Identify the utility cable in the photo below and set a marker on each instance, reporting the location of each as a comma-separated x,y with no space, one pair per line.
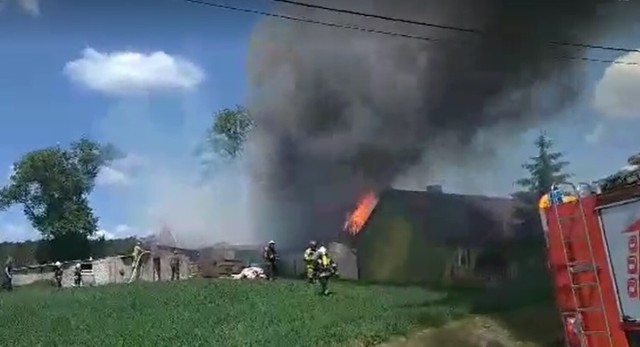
374,31
446,27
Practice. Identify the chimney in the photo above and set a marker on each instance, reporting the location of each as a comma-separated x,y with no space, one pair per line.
434,188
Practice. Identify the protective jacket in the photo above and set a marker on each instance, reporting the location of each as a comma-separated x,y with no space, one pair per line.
325,267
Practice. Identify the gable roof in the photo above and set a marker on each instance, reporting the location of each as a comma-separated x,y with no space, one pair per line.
463,219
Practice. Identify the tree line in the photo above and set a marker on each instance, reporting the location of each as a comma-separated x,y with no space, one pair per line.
52,186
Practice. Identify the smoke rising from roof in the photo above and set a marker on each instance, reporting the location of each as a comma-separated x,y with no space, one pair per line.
167,187
339,111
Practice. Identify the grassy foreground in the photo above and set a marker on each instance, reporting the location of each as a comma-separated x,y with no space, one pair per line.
217,313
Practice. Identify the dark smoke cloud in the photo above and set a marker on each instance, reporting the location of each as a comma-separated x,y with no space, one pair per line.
339,111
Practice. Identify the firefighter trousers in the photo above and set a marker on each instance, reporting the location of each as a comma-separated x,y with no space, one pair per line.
310,272
324,285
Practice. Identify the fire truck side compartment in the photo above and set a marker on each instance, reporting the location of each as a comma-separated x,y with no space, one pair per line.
617,222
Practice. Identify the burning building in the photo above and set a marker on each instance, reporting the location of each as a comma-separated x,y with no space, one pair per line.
357,219
427,236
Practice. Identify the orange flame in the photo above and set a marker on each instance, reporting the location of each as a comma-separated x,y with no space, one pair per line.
356,219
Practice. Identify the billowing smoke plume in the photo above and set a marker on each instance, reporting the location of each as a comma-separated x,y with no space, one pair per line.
340,111
163,185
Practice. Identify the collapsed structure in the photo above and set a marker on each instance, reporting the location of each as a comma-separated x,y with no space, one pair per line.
154,266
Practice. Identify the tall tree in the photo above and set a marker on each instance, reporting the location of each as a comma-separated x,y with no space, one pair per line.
52,186
229,131
545,169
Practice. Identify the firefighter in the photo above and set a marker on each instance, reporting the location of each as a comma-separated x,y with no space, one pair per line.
8,275
175,266
309,259
77,275
325,269
137,250
555,195
137,253
57,274
270,256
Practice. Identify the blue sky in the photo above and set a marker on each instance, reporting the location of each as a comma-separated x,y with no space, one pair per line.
55,87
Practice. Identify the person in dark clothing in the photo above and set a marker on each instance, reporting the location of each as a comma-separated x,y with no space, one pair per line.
157,269
57,274
270,256
175,266
77,276
7,283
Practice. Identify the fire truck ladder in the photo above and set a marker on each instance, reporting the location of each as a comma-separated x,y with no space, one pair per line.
574,266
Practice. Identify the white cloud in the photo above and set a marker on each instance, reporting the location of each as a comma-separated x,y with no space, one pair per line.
125,72
104,233
596,135
617,94
119,232
32,7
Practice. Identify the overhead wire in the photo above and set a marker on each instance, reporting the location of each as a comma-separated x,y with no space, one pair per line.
445,27
376,31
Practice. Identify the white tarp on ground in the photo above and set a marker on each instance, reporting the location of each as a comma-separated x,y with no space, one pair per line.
250,273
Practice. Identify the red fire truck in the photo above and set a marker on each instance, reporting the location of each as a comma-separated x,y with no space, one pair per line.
593,253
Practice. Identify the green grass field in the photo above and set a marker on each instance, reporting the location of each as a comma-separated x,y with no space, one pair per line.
218,313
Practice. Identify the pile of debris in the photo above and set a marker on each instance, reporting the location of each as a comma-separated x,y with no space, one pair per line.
214,267
629,176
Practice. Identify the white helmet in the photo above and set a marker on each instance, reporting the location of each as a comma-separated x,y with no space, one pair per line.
322,250
78,266
272,242
58,264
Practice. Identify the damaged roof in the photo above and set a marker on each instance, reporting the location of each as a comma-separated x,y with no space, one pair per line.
462,219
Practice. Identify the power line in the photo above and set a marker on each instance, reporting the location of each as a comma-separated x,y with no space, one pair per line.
373,31
387,18
446,27
313,21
